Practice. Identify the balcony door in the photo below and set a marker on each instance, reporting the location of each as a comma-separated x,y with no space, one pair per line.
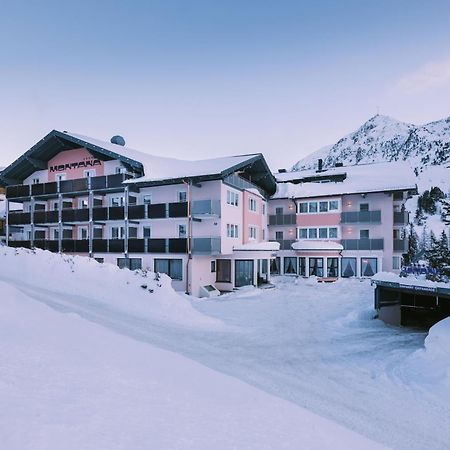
243,272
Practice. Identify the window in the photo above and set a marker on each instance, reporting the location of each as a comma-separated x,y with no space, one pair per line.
55,234
120,170
396,233
263,234
35,181
312,233
263,208
117,201
303,208
130,263
290,265
117,233
333,233
223,274
278,235
348,267
89,173
100,260
323,206
39,234
303,233
232,230
302,266
147,231
232,198
182,231
98,233
132,200
316,267
275,266
171,267
334,205
83,203
312,207
364,207
332,267
67,204
396,262
60,177
252,204
55,206
364,234
279,211
213,266
398,195
82,233
132,232
147,199
323,233
39,206
368,267
67,233
252,232
182,196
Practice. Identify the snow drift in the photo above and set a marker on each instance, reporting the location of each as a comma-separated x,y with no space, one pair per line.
141,293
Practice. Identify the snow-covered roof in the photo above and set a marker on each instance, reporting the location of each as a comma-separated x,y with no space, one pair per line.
258,246
390,277
310,244
362,178
158,168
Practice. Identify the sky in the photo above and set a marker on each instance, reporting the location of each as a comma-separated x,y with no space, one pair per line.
198,79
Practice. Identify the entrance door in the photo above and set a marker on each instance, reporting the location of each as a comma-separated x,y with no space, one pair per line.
243,272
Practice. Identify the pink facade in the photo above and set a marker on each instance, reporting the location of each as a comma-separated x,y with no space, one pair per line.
74,163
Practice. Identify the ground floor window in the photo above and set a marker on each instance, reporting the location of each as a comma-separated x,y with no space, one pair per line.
332,267
171,267
396,262
128,263
316,267
302,266
369,267
290,265
244,272
275,266
100,260
223,271
348,267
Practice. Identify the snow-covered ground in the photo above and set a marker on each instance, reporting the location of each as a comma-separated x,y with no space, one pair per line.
95,368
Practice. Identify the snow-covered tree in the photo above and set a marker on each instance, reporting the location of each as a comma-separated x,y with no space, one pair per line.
413,246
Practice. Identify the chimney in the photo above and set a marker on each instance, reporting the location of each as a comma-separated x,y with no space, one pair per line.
339,164
319,165
282,170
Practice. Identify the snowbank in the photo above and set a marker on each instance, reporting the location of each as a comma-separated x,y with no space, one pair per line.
66,383
138,293
412,281
430,366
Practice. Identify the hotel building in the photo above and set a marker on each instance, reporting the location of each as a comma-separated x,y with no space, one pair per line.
214,224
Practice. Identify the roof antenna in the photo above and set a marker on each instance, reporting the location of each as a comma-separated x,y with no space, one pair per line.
378,110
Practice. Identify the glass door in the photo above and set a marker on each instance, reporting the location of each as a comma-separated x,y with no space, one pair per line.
243,272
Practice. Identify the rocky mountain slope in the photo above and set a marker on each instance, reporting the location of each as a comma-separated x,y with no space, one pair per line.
383,138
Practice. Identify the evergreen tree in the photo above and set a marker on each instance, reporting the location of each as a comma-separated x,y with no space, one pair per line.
438,256
413,246
446,212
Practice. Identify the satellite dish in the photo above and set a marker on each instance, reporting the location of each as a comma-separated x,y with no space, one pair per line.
118,140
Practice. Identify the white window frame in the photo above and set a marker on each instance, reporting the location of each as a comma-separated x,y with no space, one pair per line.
232,231
146,227
121,200
180,194
232,198
146,198
80,202
89,173
252,205
252,232
181,235
396,261
318,202
80,233
368,233
306,230
61,177
120,233
35,181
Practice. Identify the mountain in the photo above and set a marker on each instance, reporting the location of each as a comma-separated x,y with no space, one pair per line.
383,138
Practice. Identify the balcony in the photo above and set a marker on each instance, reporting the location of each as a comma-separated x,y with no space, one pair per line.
282,219
401,218
178,209
285,244
363,244
206,246
19,218
156,211
401,245
361,217
109,182
205,208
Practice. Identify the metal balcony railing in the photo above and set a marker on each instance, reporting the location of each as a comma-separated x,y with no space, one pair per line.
205,207
401,218
206,245
363,244
282,219
401,245
361,217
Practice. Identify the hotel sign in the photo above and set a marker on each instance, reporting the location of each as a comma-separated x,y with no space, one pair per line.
75,165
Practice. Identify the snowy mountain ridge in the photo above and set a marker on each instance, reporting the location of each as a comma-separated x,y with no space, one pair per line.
383,138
